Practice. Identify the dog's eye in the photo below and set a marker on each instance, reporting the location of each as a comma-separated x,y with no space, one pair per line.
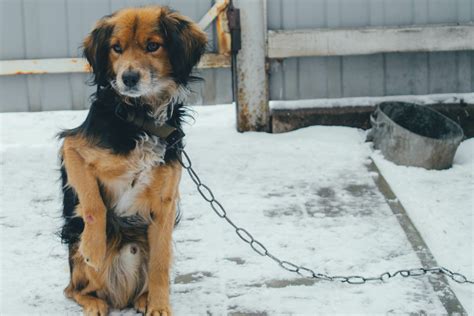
117,48
152,47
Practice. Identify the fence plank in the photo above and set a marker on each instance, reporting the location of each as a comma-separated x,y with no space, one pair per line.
291,65
361,41
464,71
312,67
276,74
334,64
12,45
442,66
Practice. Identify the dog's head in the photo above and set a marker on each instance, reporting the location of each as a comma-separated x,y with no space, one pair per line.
144,52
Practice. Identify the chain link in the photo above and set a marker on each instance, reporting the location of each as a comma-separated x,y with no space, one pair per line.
303,271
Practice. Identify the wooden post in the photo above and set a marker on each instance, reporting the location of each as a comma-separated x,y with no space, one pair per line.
223,34
252,79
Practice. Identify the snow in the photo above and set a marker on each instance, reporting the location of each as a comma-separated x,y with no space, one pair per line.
307,195
449,98
441,205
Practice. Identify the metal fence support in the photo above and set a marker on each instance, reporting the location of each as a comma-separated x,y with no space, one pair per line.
252,79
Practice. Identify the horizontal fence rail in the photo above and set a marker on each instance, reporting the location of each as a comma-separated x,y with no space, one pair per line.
75,65
363,41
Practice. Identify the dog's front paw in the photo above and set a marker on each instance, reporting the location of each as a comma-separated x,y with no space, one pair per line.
96,308
93,246
158,310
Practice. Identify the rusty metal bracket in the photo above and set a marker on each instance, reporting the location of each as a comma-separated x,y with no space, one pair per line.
233,17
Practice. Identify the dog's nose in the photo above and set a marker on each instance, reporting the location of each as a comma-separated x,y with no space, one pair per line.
130,78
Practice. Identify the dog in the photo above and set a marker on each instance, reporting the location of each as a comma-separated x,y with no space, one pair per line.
120,168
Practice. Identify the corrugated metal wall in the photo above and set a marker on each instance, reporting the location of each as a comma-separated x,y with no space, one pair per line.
55,28
371,75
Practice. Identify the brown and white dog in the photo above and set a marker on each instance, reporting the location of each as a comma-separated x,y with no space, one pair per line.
120,180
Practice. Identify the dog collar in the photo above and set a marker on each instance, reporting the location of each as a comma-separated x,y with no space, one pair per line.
138,117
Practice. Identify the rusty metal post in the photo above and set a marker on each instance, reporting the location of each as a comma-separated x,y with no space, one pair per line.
252,79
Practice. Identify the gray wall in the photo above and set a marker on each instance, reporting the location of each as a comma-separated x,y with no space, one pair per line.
55,28
371,75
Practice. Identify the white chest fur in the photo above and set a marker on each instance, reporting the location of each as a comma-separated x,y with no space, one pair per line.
124,190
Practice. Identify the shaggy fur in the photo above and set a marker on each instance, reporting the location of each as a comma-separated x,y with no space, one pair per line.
120,184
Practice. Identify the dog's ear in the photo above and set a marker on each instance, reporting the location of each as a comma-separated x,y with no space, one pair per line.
96,51
185,43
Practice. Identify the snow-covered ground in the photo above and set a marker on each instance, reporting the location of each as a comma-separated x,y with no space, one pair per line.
307,195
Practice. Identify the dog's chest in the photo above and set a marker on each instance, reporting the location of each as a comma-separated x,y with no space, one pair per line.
124,190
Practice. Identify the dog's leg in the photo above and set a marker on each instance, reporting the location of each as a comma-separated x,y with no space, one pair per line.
92,208
141,303
81,287
92,306
165,193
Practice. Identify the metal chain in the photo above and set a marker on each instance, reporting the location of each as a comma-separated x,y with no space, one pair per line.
303,271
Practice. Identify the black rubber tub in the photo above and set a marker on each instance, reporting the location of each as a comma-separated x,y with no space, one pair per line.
414,135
